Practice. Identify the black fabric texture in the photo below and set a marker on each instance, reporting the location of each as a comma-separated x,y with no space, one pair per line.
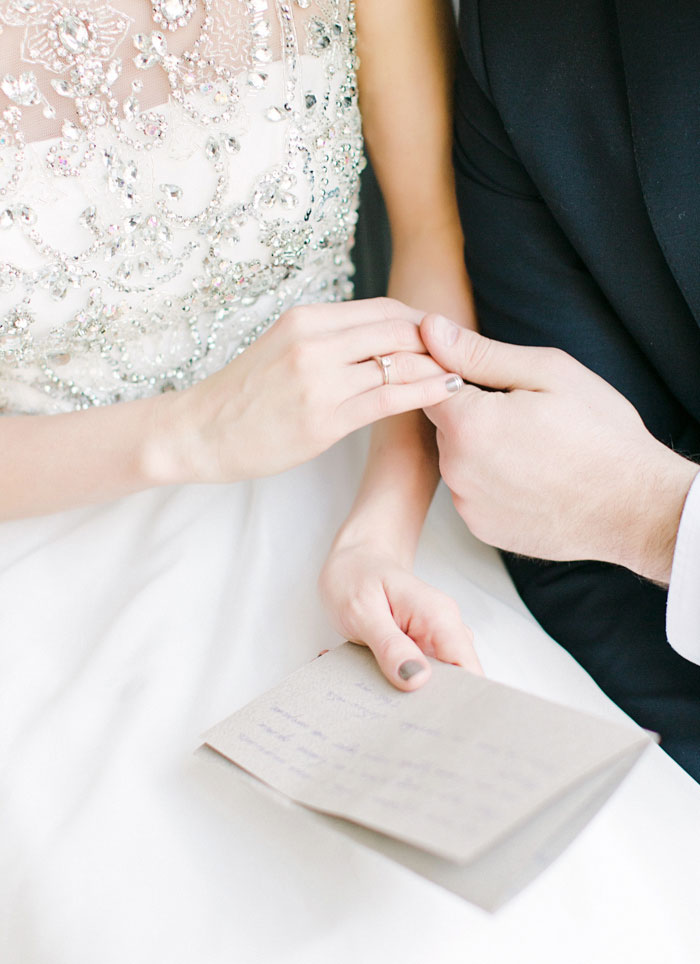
582,230
372,251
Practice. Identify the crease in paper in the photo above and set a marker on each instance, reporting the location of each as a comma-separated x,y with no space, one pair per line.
450,768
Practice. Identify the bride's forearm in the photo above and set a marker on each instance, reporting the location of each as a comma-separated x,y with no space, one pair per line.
406,51
295,392
406,56
56,462
402,466
396,489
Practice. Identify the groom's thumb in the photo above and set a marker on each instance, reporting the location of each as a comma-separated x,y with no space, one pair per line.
481,360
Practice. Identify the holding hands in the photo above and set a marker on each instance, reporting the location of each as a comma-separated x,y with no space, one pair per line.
546,459
308,382
555,463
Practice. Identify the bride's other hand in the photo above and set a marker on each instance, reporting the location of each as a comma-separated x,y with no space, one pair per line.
406,50
308,382
375,600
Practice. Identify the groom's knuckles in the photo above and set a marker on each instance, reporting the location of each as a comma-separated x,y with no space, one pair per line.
453,418
559,368
468,354
495,364
451,466
462,505
479,519
441,413
475,355
491,363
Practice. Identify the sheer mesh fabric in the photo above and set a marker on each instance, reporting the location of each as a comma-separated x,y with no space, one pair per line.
174,174
28,41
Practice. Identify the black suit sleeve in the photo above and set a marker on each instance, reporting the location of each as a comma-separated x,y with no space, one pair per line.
532,288
530,284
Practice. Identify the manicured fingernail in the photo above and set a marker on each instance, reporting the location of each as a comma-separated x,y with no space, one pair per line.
453,383
410,668
445,330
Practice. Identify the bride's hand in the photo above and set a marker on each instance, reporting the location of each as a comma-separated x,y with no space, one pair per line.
301,387
373,599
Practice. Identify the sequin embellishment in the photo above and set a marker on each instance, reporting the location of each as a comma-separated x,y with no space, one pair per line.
152,240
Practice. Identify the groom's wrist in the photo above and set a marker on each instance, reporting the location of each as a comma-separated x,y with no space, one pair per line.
662,490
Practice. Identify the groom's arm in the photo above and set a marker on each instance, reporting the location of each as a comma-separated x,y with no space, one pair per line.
574,473
532,287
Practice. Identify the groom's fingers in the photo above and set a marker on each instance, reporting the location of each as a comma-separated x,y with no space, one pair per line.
457,411
492,364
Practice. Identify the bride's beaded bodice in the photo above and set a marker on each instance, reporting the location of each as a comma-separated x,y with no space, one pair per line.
173,175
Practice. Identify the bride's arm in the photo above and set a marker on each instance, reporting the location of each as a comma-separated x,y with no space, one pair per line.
406,50
297,390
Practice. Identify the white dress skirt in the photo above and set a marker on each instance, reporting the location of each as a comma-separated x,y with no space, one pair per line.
127,630
143,244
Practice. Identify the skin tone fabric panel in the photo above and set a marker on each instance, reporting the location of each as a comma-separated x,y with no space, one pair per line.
40,40
154,245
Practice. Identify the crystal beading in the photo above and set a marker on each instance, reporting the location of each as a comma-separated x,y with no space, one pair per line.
173,13
163,280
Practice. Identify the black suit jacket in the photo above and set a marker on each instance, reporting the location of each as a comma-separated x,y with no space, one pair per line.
577,153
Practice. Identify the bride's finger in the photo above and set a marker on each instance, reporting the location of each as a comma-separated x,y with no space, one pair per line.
327,318
371,406
404,367
376,338
437,625
401,661
453,642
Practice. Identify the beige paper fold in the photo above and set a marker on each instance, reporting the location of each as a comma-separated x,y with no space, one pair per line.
454,769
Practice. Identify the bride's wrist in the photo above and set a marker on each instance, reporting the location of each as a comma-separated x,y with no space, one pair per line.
396,540
168,451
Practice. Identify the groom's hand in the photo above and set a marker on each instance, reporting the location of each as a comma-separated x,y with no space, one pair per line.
554,463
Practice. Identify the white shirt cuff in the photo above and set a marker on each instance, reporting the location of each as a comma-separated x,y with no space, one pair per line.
683,608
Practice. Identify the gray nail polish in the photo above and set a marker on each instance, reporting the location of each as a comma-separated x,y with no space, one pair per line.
453,383
410,668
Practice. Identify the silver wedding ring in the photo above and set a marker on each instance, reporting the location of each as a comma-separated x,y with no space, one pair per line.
384,362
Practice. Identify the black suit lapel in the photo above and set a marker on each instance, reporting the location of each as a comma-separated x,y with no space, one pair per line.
661,52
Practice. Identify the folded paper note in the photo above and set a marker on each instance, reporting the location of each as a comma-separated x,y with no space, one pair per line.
470,783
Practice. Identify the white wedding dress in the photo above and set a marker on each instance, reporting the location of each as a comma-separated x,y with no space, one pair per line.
173,175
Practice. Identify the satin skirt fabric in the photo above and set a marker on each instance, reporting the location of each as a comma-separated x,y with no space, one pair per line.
127,629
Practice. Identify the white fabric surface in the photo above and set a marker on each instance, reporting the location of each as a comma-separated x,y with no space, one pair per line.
126,630
683,610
